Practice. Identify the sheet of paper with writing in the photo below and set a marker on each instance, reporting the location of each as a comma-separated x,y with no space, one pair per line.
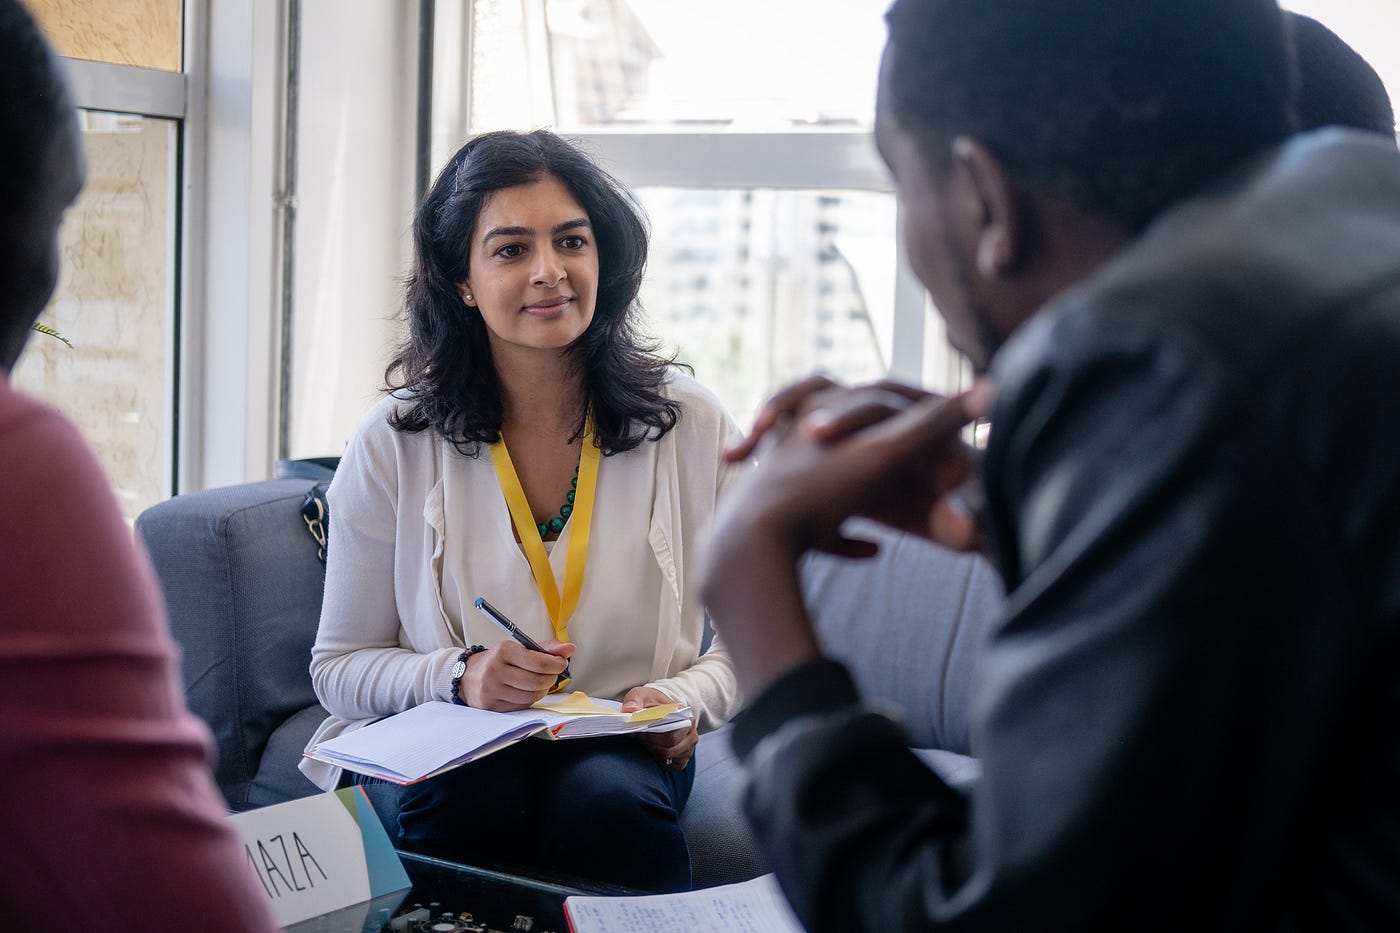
755,906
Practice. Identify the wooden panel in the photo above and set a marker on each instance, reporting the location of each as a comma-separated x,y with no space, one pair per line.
144,33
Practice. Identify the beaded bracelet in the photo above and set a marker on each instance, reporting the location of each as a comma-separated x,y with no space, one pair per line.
459,670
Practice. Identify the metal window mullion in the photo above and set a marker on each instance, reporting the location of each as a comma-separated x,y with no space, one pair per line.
780,160
188,401
286,208
538,66
161,95
907,356
124,89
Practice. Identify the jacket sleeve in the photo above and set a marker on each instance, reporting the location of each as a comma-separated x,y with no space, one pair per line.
1153,711
360,666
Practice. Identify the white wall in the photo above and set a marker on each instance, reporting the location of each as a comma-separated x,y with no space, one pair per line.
353,206
232,52
355,192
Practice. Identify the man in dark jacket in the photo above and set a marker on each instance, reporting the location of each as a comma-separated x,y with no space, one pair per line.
1188,327
1336,86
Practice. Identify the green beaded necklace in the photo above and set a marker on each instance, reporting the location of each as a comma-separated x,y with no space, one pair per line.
556,524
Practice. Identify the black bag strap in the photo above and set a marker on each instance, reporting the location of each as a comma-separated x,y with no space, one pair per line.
316,512
315,509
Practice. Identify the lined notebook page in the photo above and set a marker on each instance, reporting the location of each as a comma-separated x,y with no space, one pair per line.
755,906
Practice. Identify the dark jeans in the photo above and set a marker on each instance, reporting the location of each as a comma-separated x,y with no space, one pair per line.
600,809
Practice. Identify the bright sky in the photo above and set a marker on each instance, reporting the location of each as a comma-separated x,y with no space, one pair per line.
744,58
802,56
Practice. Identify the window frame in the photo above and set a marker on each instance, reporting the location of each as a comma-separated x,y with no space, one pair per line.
224,357
162,95
836,159
784,160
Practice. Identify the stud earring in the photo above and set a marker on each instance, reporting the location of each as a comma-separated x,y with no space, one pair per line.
467,297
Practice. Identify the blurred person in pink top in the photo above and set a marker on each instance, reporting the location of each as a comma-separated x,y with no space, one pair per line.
110,814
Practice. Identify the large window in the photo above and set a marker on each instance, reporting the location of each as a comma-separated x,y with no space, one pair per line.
658,64
745,132
744,128
233,268
116,299
115,305
755,288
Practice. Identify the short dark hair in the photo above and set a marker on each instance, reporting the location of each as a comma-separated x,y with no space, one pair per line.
41,170
1336,86
35,108
1120,107
444,365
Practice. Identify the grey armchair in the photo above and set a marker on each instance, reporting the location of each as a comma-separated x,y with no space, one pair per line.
243,586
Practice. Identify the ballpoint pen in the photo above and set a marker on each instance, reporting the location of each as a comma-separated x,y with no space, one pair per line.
511,629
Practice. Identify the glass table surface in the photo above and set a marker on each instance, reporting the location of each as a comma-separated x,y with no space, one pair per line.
450,897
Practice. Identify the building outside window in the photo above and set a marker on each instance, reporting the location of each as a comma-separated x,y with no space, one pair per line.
116,298
744,129
774,248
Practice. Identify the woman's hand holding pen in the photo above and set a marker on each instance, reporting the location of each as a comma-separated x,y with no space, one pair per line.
511,676
672,750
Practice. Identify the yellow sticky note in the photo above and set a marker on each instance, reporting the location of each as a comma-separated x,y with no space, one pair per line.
652,713
577,703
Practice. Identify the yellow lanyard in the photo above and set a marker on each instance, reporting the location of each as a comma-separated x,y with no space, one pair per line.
560,610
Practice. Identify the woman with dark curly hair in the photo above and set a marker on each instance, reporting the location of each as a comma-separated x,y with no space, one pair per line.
534,450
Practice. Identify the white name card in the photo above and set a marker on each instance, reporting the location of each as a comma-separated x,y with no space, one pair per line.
309,855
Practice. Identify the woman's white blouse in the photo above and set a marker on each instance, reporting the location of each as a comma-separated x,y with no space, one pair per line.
418,531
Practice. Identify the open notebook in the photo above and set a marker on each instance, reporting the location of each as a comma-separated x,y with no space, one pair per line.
755,906
438,736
